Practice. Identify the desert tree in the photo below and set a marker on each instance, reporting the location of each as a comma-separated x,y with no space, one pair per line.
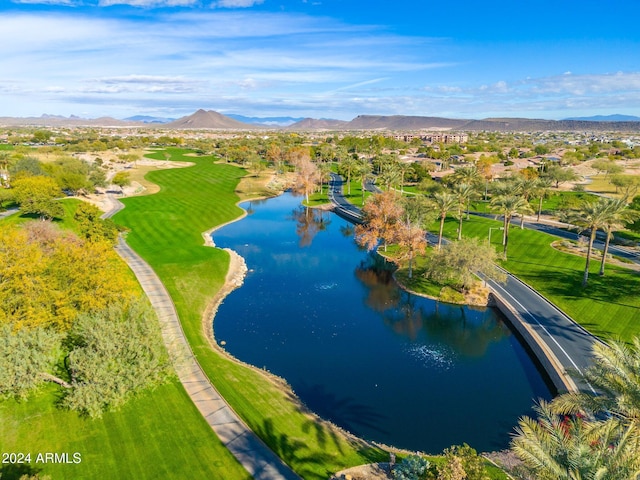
382,214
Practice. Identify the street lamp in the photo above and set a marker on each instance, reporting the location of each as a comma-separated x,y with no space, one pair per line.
493,228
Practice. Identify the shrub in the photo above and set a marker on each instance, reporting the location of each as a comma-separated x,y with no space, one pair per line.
412,467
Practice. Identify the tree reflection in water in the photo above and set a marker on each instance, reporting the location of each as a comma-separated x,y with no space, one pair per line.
377,275
309,221
467,334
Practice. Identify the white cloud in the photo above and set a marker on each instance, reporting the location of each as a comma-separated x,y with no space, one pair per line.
149,3
237,3
68,3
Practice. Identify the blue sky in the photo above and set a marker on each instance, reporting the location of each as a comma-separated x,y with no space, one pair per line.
320,58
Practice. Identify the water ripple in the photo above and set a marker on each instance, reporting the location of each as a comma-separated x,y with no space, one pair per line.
431,356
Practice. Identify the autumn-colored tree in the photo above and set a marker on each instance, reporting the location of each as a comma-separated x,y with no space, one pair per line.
412,241
307,173
382,214
275,155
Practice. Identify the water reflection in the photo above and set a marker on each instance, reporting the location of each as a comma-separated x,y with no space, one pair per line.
344,411
389,366
377,276
309,221
467,332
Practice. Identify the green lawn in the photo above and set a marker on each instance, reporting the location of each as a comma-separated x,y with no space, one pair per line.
166,230
608,307
159,434
318,199
67,222
355,197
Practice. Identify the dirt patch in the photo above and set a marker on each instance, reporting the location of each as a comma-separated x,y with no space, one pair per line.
372,471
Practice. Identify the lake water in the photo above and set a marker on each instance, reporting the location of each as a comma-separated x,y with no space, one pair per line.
386,365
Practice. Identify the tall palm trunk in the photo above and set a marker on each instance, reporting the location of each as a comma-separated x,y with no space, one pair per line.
505,236
604,253
460,217
442,217
592,237
410,263
539,209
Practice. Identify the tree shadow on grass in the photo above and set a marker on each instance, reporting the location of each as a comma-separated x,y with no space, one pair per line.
295,453
608,289
16,470
329,437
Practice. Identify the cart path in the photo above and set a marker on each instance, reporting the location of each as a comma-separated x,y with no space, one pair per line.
242,442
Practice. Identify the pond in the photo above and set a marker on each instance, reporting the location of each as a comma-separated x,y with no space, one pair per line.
385,365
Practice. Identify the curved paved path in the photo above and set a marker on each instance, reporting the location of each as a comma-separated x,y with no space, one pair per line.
570,343
248,449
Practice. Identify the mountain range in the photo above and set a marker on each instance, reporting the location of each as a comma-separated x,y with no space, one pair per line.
209,119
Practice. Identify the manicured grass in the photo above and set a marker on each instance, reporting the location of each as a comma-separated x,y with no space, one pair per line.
317,199
608,307
563,200
355,197
159,434
556,201
166,229
67,222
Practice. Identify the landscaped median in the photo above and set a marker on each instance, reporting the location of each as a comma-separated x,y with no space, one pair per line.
166,230
608,307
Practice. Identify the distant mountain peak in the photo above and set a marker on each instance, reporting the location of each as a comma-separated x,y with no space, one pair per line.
208,119
617,117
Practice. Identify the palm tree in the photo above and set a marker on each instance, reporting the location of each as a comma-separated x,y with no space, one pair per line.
348,165
403,168
390,174
615,375
508,206
555,447
543,188
468,175
591,216
324,171
444,202
463,192
618,216
363,173
524,187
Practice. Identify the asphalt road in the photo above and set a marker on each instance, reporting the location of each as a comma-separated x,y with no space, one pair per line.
571,344
573,235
